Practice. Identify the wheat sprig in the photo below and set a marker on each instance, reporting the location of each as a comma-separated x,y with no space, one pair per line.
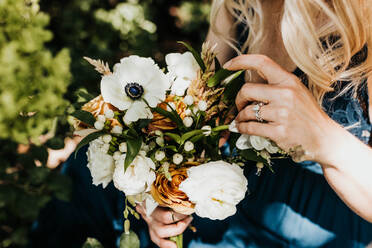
99,66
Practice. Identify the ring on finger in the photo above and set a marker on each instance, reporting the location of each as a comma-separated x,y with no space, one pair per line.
257,111
173,218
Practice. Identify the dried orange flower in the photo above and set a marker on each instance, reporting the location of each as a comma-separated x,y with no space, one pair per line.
96,106
167,193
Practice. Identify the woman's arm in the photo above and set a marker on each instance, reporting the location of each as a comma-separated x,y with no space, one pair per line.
298,124
348,169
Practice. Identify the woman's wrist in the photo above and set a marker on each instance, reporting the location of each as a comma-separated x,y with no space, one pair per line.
339,148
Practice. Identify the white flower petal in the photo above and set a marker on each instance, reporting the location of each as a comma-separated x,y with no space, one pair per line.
138,110
259,143
113,92
243,142
182,65
180,85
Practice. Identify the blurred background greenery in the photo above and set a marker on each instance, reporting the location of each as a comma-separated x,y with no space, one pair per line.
42,44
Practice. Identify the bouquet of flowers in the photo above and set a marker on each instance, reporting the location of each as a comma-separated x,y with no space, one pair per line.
156,134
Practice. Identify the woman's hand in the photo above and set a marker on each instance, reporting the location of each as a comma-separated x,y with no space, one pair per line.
294,120
164,223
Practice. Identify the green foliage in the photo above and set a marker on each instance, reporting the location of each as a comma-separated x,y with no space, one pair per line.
32,80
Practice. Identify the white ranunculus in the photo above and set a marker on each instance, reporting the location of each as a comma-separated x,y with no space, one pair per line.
182,68
100,164
259,143
137,178
215,188
135,80
243,142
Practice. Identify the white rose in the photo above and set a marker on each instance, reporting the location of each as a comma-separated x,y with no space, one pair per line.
215,188
137,178
100,164
259,143
183,69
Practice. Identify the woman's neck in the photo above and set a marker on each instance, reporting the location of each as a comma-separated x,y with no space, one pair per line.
272,44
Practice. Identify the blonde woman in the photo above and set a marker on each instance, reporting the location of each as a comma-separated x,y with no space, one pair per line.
309,63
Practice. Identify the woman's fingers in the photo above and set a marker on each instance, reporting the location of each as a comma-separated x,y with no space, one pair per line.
166,216
266,67
251,92
267,113
256,128
166,231
162,243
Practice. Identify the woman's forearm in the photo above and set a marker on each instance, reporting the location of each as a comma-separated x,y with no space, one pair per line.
348,170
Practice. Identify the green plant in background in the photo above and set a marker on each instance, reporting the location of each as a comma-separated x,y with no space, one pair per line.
42,69
32,84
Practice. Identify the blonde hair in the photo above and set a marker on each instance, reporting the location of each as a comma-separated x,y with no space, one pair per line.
323,51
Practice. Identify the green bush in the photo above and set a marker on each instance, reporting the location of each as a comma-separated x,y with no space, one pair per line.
32,84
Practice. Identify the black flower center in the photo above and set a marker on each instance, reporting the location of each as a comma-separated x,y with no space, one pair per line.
134,90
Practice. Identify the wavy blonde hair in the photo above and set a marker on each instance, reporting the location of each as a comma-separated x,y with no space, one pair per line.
323,51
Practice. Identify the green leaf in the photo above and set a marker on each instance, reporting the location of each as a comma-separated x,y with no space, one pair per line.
252,155
134,146
130,240
174,136
195,54
218,77
190,134
196,138
173,148
84,116
171,115
87,140
232,77
232,89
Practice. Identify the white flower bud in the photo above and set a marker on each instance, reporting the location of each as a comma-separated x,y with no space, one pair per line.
159,155
177,158
202,105
171,106
188,121
99,125
142,153
207,130
101,118
158,133
152,145
260,165
188,100
188,112
117,130
123,147
107,138
109,114
117,155
145,148
160,141
189,146
195,110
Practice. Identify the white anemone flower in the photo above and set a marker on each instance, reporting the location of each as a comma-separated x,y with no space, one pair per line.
183,69
135,82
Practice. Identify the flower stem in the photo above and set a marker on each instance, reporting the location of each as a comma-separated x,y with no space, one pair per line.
178,239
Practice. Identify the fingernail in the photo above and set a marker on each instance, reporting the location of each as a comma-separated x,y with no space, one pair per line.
227,64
